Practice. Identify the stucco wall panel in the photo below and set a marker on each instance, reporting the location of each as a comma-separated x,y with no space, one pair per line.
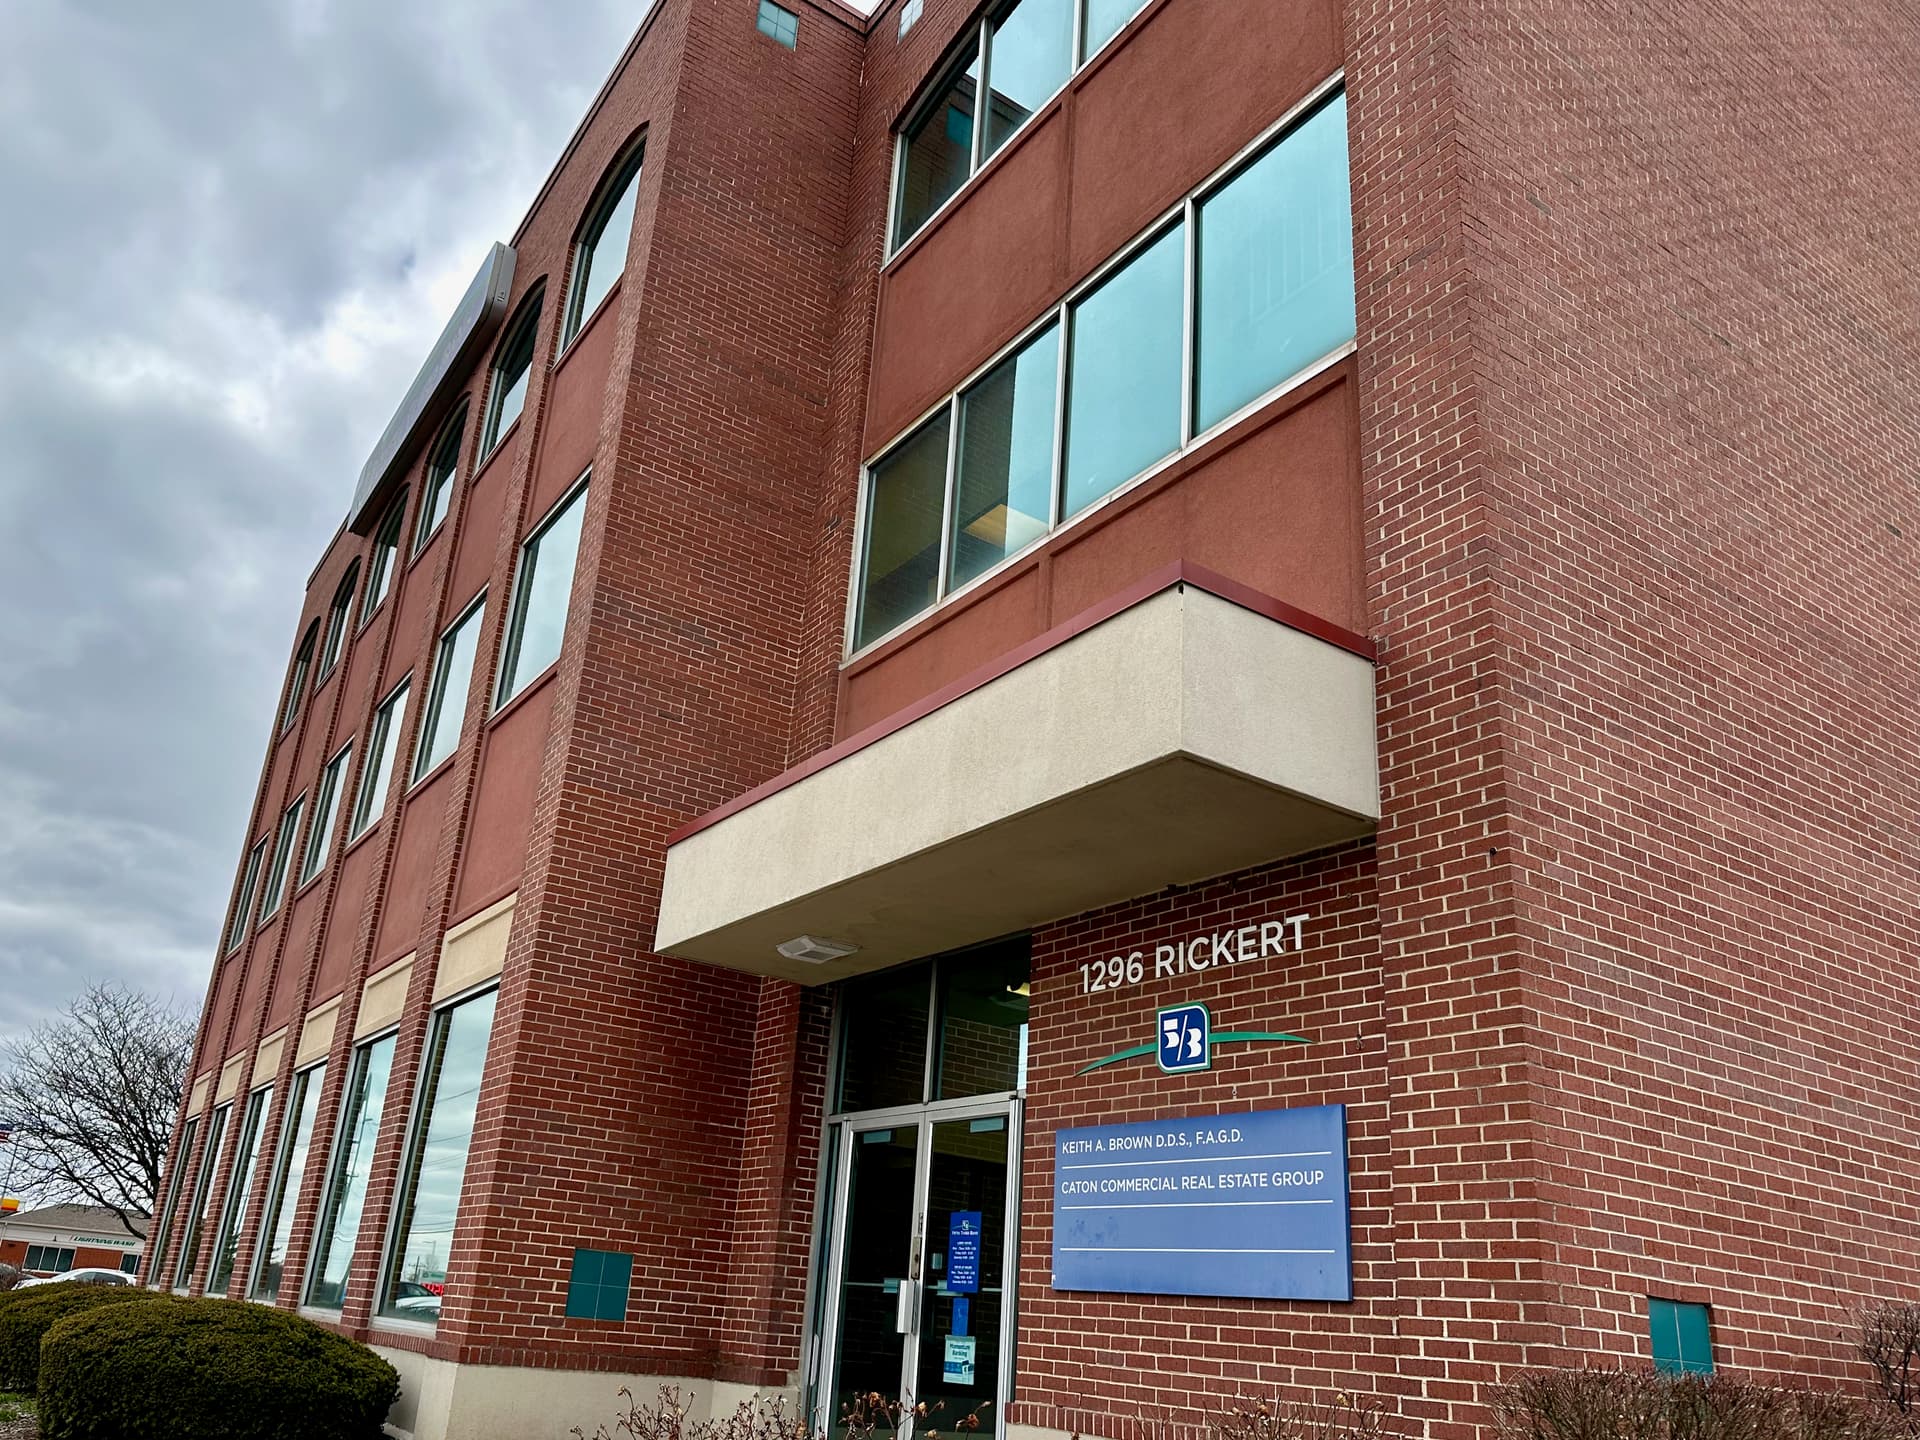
406,900
578,396
503,808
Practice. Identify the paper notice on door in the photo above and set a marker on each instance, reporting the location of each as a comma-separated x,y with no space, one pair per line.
958,1369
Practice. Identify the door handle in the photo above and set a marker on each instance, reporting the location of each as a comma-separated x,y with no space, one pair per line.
906,1317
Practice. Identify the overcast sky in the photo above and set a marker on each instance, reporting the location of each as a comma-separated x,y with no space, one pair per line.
233,230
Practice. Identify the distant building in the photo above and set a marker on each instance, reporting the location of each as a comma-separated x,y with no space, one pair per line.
1088,705
57,1238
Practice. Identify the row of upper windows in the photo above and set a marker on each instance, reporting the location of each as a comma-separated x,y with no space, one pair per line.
1244,288
542,584
599,260
1018,55
419,1241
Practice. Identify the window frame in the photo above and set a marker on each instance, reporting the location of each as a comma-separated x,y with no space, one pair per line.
625,170
436,691
452,435
333,646
241,926
381,577
359,1058
253,1122
381,731
302,1083
400,1208
163,1233
280,869
779,33
975,44
212,1152
525,323
517,615
326,811
1183,213
302,670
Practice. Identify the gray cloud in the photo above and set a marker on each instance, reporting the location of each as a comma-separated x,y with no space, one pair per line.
232,233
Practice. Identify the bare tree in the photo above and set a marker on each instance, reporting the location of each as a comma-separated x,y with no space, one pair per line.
1890,1343
93,1096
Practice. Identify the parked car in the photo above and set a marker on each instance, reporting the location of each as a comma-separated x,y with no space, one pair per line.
86,1275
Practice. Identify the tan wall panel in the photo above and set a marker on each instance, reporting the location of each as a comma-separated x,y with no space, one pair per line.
316,1035
266,1062
384,997
230,1076
475,950
201,1088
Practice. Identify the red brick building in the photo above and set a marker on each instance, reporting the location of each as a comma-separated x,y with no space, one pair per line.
1241,722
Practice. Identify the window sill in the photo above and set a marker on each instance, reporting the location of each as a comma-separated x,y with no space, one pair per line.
365,835
372,615
432,775
526,693
426,542
266,923
606,300
486,463
308,884
397,1327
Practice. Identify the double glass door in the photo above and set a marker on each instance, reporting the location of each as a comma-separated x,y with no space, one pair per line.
919,1264
918,1253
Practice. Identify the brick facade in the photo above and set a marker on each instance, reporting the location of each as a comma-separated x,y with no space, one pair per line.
1618,479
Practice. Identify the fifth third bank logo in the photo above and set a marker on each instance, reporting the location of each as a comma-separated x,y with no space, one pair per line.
1185,1039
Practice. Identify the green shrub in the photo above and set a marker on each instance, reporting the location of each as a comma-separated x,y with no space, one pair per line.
198,1369
27,1315
1642,1405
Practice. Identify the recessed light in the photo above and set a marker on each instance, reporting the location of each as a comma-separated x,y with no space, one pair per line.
814,951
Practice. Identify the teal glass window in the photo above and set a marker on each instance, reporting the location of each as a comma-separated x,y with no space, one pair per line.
198,1216
452,677
158,1246
382,745
541,592
599,1285
601,256
320,840
366,1099
1106,19
1029,57
440,472
436,1162
1682,1337
1275,267
778,23
243,906
282,859
906,494
508,395
386,546
1123,385
233,1218
1005,485
939,152
276,1224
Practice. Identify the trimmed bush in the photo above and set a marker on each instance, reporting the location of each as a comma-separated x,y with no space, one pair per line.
27,1315
1642,1405
200,1369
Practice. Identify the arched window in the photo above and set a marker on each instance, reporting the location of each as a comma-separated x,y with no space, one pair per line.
600,255
302,667
386,546
507,394
442,465
337,621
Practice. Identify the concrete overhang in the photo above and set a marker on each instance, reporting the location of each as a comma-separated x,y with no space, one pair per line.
1184,730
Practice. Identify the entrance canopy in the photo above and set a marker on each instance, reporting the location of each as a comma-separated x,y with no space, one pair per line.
1187,729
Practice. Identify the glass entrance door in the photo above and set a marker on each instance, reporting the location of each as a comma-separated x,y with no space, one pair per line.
919,1301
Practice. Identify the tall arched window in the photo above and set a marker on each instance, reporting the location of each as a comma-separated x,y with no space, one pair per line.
302,667
600,254
337,621
442,465
507,394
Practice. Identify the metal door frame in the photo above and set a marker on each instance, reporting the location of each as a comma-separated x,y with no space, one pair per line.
837,1158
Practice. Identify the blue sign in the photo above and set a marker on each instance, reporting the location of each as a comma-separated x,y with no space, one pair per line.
963,1252
1244,1205
1186,1038
962,1315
